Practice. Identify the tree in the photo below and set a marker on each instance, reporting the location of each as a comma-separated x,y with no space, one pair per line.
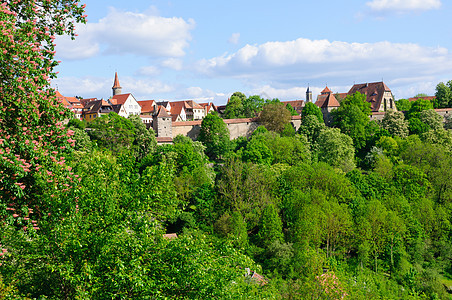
34,144
214,135
418,106
274,116
252,106
443,95
292,110
312,109
431,118
234,108
270,226
394,122
112,132
144,139
403,104
352,117
336,149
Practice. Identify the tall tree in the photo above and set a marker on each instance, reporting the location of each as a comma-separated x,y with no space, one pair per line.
234,108
252,106
443,95
214,135
274,116
352,117
34,144
336,149
312,109
394,122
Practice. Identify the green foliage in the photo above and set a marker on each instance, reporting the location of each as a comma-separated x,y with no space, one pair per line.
252,106
403,104
443,95
214,135
312,109
352,117
417,107
274,116
336,149
234,108
270,229
394,122
112,132
292,110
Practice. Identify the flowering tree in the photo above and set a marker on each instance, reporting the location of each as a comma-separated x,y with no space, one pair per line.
33,141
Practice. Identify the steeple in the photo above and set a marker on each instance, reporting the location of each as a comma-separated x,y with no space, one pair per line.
117,89
308,95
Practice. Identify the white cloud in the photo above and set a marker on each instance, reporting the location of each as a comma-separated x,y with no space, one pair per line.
129,33
149,71
173,63
283,64
234,39
403,5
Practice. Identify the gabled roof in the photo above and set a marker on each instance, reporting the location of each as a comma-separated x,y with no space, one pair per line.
326,90
83,102
327,100
374,92
193,105
177,107
147,106
116,82
162,112
119,99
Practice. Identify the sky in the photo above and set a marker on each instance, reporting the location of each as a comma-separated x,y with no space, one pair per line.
206,50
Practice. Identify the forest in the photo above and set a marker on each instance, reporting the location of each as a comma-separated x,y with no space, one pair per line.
359,209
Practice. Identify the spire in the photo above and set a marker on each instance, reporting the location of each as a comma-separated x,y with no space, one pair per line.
117,89
308,95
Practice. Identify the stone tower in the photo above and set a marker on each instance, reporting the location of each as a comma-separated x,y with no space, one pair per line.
117,89
162,123
308,95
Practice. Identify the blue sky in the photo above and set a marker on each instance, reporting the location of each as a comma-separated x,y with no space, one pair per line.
207,50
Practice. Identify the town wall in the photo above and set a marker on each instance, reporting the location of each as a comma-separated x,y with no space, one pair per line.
237,127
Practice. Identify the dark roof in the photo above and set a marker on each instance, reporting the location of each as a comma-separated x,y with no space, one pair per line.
374,92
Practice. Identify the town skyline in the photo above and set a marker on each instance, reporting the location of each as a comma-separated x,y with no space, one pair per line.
170,50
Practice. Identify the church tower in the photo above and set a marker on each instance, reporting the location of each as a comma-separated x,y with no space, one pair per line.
117,89
308,95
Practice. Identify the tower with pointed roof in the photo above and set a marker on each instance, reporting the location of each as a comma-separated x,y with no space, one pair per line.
117,89
308,95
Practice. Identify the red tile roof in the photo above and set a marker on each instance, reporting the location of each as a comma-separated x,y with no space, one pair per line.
147,106
116,82
327,99
119,99
177,106
429,98
326,91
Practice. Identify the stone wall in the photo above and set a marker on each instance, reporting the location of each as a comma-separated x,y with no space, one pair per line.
237,127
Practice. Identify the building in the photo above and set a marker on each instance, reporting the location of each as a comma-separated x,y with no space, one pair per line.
377,94
129,105
327,101
71,103
96,108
